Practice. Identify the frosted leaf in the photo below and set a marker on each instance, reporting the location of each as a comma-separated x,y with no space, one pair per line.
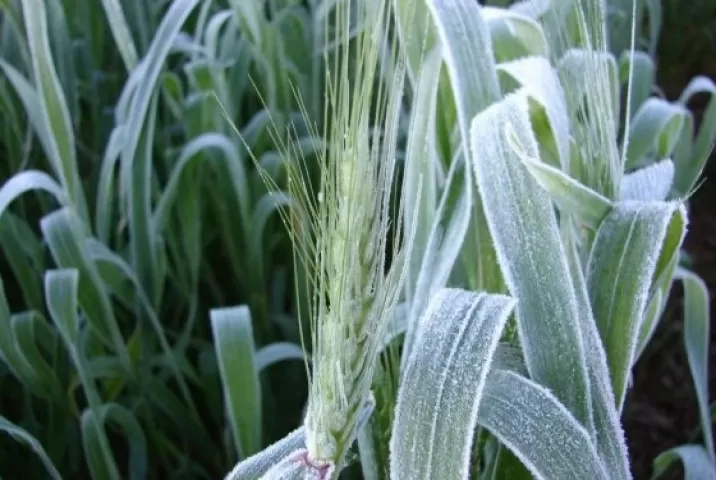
256,466
523,225
538,429
649,183
620,270
608,434
656,128
541,82
569,195
441,388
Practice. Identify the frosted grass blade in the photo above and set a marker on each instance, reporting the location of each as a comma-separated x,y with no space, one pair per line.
656,126
420,182
608,435
697,320
277,352
530,252
146,76
643,77
63,51
689,169
620,271
569,195
61,293
191,152
65,237
121,33
467,50
417,34
648,183
538,429
514,35
22,435
105,200
651,319
256,466
33,109
440,392
540,80
234,346
54,112
696,461
26,181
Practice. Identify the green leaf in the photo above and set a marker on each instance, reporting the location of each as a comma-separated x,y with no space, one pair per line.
61,288
530,252
65,237
621,268
643,77
656,127
651,319
697,464
689,168
570,196
234,345
697,321
26,256
442,386
127,422
256,466
23,436
234,167
538,429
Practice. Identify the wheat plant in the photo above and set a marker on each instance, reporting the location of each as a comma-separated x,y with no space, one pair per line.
452,227
551,210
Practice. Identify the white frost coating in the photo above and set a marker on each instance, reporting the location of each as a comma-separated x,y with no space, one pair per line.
650,183
440,392
523,225
257,465
538,429
467,49
608,435
619,274
541,82
443,247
